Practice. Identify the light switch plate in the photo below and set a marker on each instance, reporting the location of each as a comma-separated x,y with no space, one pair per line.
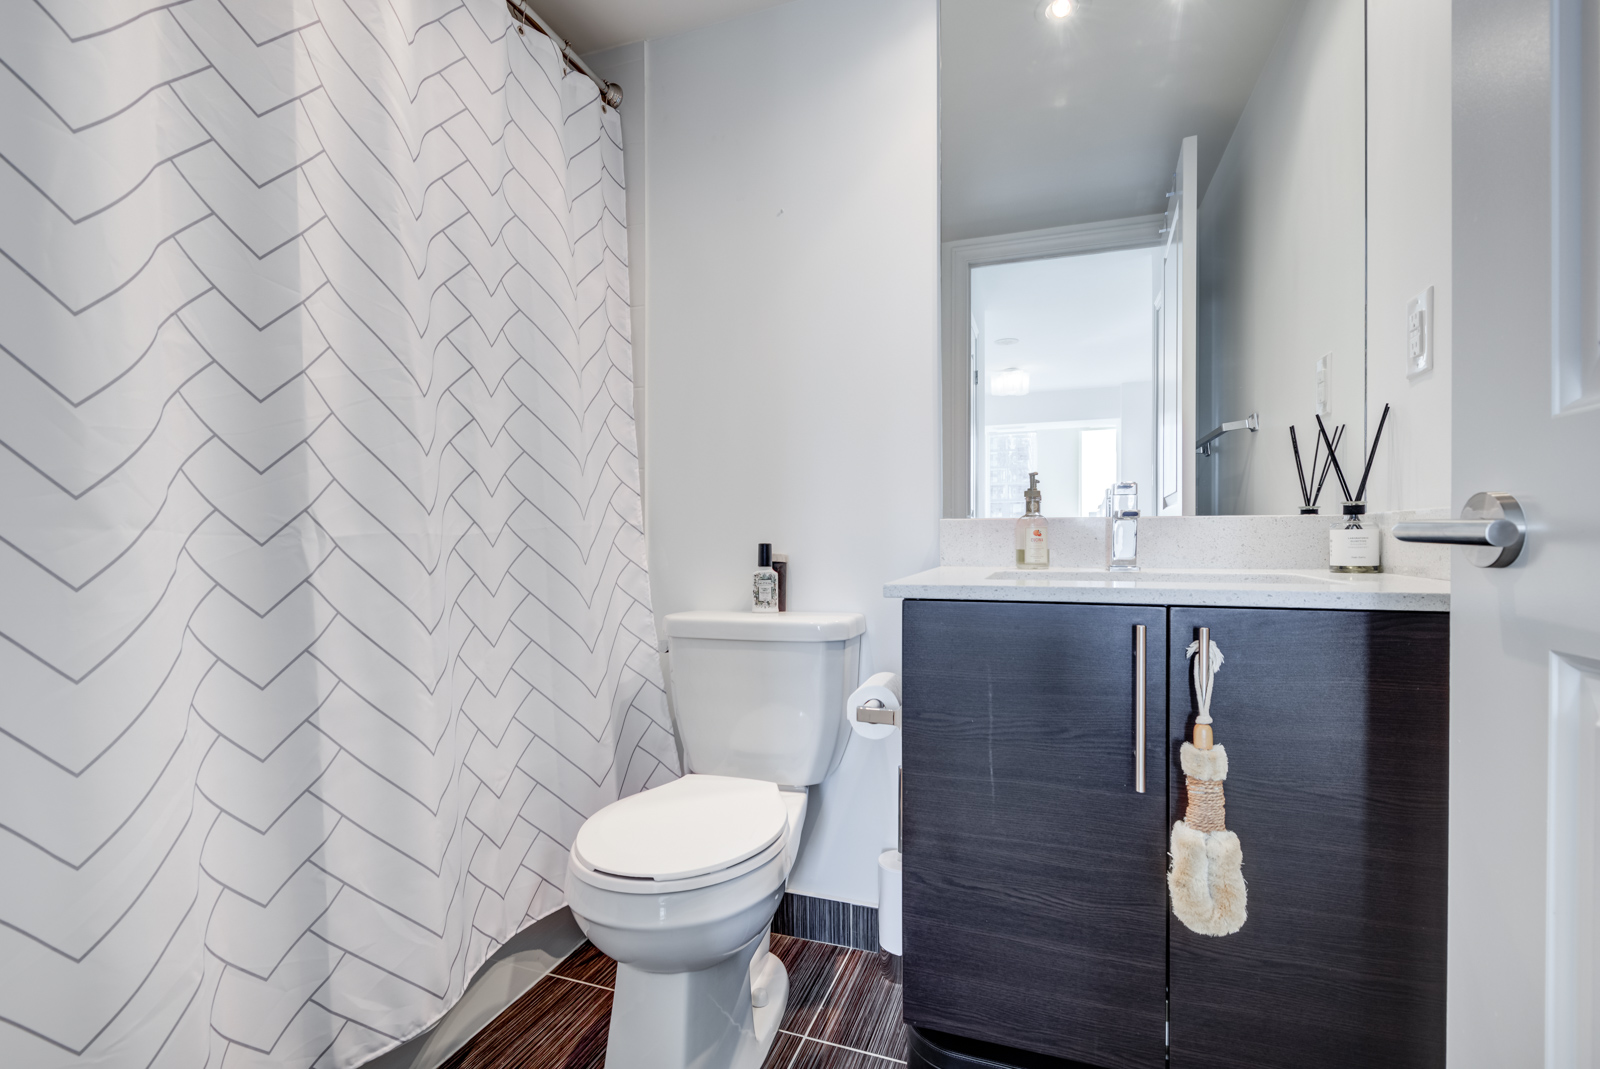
1324,390
1419,333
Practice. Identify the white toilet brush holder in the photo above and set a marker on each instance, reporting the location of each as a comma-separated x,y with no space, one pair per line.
890,948
889,882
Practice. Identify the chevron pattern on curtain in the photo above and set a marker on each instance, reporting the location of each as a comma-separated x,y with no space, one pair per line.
322,573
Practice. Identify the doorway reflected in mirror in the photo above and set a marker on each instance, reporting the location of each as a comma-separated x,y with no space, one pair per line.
1063,352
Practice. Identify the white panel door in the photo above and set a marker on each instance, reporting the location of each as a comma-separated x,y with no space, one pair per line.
1525,640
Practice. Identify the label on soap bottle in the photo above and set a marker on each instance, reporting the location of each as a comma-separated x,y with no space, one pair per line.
1354,547
1035,549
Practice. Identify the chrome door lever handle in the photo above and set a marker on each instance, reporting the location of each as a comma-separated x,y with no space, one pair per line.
1492,523
1500,533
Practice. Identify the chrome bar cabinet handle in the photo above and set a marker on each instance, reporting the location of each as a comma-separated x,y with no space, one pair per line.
1138,706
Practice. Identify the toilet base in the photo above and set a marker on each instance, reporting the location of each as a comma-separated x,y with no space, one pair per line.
705,1019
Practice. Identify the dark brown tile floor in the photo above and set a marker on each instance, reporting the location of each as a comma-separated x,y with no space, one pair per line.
843,1013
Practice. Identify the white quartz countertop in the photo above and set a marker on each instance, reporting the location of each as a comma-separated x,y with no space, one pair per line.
1241,587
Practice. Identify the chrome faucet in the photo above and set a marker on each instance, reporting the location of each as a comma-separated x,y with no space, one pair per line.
1125,527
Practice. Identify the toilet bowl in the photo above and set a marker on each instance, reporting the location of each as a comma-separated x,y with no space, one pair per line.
679,885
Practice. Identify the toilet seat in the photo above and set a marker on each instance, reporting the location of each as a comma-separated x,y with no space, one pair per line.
636,885
693,827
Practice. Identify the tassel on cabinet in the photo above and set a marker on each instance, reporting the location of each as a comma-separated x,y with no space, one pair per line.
1206,881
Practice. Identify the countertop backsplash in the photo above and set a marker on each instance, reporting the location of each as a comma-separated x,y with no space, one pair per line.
1297,542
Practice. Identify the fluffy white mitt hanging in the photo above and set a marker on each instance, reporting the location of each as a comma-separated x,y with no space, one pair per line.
1207,886
1206,883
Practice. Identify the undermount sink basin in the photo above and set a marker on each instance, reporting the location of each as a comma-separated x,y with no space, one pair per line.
1101,575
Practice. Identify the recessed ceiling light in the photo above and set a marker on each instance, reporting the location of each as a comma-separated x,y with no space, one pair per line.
1058,9
1012,382
1005,341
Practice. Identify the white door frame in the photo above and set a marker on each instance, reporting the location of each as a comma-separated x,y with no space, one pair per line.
959,258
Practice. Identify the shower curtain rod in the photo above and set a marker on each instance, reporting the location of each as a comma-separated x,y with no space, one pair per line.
610,92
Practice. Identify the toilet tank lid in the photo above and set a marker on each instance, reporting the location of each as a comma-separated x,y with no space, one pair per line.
767,626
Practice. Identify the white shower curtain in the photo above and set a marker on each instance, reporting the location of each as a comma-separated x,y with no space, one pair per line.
322,578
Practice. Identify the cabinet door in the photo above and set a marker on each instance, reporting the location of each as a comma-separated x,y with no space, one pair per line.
1337,729
1034,891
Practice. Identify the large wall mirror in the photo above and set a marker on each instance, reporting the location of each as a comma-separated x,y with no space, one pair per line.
1154,228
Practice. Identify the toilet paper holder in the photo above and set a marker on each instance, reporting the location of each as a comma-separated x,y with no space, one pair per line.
873,709
874,712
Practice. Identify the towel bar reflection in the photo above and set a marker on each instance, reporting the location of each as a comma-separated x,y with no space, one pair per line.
1251,423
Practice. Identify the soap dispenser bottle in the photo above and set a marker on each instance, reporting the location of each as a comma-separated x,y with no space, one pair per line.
764,587
1033,543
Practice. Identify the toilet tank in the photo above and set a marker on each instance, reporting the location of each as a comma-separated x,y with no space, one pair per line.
761,695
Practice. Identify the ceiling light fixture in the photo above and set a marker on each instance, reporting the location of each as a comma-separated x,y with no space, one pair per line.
1005,341
1059,9
1012,382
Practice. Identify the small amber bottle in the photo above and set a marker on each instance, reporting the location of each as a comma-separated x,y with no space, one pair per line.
780,564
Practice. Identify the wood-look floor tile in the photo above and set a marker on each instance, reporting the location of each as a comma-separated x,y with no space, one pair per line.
556,1025
817,1055
812,968
783,1051
589,965
863,1010
833,992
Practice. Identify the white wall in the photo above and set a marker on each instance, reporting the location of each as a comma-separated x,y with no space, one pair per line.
1282,264
1408,210
1281,250
1046,406
789,181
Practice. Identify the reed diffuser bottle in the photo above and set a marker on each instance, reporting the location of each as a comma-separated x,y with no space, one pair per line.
1033,541
1354,544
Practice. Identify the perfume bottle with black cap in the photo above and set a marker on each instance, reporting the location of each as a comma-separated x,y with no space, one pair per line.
764,587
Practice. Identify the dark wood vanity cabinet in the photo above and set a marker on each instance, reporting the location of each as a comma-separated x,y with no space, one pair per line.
1337,730
1035,904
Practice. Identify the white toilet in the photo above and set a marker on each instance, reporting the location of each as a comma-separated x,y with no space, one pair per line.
679,883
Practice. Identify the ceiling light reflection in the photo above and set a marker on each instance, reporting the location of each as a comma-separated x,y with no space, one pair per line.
1012,382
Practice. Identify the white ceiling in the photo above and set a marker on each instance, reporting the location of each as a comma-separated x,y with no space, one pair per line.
595,25
1080,322
1045,122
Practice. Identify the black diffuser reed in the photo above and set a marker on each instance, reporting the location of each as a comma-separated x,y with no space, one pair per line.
1360,496
1300,471
1311,488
